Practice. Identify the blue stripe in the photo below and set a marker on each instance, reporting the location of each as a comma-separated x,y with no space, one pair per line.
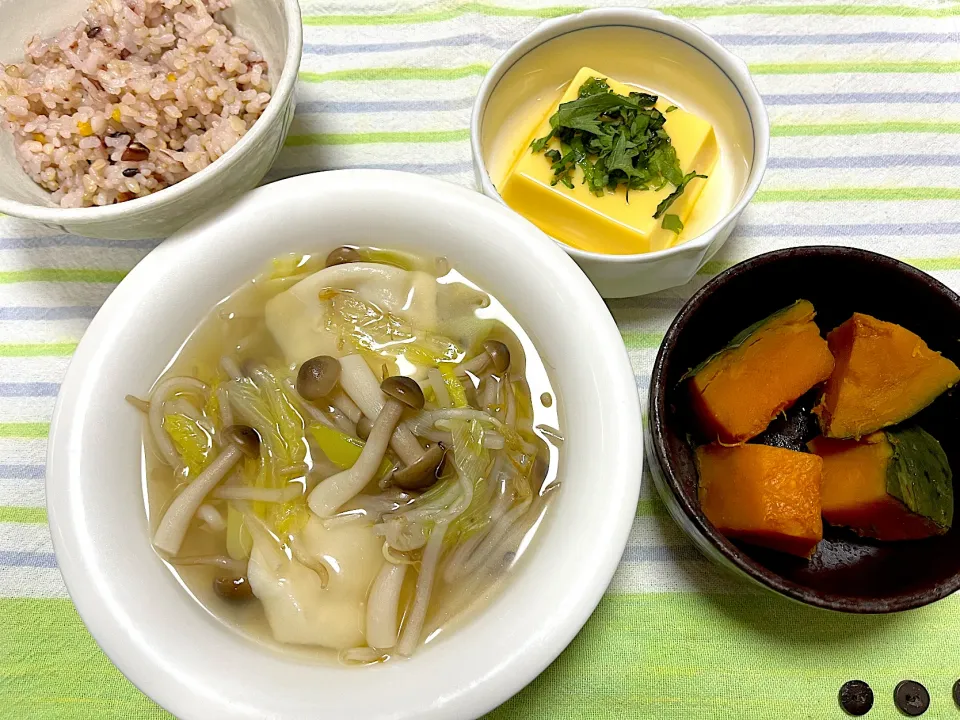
15,558
661,553
849,230
885,98
840,39
500,42
383,106
22,472
863,161
30,389
74,312
48,241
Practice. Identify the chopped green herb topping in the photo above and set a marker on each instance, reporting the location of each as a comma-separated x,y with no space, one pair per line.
615,140
672,223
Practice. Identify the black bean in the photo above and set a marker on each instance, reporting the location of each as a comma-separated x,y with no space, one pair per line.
93,32
911,698
130,172
856,697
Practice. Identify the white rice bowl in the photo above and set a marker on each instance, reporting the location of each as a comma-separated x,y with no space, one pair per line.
138,96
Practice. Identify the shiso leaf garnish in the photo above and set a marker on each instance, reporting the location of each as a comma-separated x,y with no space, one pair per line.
616,140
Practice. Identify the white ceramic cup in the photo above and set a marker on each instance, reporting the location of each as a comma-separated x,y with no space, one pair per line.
272,26
712,69
198,668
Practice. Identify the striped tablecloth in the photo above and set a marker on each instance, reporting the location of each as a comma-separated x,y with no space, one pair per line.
864,102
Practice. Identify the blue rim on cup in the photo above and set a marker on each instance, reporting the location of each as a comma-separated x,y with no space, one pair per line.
637,274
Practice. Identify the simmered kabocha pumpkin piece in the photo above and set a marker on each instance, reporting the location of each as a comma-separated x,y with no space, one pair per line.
762,495
884,375
892,485
738,391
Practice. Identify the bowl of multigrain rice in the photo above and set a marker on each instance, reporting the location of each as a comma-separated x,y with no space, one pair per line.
128,118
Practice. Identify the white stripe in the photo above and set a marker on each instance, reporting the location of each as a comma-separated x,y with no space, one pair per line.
885,178
22,451
44,331
25,537
22,493
857,82
26,409
21,582
33,369
71,257
68,293
653,531
374,122
311,157
388,89
816,114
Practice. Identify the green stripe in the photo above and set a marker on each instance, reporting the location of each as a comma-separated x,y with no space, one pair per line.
742,655
32,515
844,194
635,340
917,66
396,73
51,669
427,136
80,275
710,656
38,350
943,264
653,507
24,430
683,11
714,267
876,128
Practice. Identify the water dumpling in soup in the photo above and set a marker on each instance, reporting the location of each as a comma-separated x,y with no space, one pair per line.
350,453
382,308
318,596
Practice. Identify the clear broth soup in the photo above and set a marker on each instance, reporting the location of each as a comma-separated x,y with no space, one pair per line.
277,507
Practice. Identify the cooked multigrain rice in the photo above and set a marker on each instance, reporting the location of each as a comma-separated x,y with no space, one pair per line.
139,95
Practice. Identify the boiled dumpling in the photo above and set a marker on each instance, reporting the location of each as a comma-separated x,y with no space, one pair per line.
298,608
297,318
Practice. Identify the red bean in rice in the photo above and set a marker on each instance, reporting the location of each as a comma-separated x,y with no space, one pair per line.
160,86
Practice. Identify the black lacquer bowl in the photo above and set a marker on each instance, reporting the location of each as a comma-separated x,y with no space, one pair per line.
847,573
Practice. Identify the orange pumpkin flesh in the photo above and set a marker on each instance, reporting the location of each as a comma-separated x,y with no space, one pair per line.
855,491
884,374
762,495
737,392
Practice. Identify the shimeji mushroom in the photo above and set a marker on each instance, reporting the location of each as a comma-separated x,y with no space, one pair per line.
233,589
364,426
317,381
342,256
422,473
239,440
359,382
401,392
318,377
495,355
